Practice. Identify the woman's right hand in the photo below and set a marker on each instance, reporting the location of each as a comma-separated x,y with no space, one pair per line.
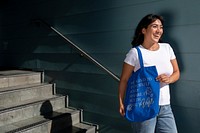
121,110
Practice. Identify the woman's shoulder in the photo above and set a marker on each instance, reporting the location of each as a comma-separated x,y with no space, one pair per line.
165,45
132,50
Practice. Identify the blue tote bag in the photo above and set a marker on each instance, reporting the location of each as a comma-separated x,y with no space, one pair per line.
142,93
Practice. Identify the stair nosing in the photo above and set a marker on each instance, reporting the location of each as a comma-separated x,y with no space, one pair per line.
31,103
28,127
19,74
22,87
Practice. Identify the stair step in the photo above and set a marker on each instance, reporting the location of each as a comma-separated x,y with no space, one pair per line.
16,95
60,121
85,127
28,105
31,109
18,77
79,128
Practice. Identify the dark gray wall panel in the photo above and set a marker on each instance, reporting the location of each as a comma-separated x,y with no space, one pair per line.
104,29
186,93
187,119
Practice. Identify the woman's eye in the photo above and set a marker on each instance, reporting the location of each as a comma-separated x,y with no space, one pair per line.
154,26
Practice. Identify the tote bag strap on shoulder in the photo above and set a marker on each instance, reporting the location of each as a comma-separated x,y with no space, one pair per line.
140,57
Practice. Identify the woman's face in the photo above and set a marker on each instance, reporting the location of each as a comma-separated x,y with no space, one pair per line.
153,32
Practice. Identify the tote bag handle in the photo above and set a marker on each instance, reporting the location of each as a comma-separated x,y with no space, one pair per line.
140,57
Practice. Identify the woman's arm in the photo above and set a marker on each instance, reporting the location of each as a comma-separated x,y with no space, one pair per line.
126,73
172,78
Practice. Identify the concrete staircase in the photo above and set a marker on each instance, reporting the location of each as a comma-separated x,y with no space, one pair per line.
28,105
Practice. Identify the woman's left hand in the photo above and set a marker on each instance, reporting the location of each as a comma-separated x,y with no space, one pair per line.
163,78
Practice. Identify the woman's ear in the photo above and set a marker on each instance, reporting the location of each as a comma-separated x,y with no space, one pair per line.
143,30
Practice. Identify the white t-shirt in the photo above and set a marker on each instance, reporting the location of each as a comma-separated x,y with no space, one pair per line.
159,58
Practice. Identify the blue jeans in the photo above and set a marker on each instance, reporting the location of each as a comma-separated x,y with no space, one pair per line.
164,122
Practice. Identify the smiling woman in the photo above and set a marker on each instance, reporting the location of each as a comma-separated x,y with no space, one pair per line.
148,39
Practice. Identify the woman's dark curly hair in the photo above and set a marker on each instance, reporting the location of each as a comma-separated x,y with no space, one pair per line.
144,23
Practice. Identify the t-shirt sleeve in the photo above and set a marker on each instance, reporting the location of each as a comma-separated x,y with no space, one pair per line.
172,54
131,57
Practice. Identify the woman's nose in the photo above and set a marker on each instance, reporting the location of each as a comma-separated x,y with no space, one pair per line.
159,30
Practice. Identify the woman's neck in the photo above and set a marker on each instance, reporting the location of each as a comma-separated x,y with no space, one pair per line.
151,47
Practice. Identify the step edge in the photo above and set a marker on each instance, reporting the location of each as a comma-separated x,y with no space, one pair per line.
20,74
31,103
24,87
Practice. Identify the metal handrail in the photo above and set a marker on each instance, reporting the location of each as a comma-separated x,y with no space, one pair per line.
82,52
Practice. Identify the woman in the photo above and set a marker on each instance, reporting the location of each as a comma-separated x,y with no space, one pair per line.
147,36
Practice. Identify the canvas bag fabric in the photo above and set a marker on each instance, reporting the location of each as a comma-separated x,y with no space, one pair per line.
142,93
